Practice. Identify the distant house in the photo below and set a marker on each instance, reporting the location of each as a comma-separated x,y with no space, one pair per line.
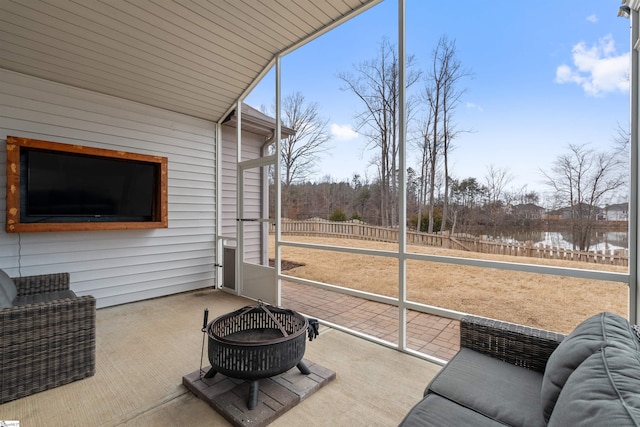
528,211
616,212
554,215
565,213
558,214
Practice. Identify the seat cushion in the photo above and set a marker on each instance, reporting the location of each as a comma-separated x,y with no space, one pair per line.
586,339
8,290
43,297
498,390
603,391
437,411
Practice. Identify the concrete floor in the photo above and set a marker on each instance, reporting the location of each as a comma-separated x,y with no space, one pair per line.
145,348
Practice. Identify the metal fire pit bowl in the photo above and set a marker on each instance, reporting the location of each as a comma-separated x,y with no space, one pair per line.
256,342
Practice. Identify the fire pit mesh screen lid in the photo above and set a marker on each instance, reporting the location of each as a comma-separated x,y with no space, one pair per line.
257,342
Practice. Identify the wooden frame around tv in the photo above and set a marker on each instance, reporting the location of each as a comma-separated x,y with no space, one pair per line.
13,224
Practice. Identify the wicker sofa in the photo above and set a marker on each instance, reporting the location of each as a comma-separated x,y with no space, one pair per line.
47,334
506,374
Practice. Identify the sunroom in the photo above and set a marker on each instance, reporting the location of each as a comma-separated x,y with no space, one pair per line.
169,80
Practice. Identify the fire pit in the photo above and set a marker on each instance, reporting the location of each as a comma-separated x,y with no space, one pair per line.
257,342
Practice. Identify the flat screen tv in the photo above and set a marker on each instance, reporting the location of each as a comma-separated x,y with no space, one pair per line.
67,187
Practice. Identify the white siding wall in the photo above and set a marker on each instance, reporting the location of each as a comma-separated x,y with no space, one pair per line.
251,146
124,265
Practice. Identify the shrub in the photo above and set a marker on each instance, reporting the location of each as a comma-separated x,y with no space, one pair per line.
338,215
424,223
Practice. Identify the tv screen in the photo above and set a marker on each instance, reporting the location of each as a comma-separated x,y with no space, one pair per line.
68,187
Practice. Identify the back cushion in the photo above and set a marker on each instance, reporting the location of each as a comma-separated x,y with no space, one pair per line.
586,339
604,390
8,290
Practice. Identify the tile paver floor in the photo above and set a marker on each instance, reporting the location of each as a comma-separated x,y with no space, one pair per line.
426,333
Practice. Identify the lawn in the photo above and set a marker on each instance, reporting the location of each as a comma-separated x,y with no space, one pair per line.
539,300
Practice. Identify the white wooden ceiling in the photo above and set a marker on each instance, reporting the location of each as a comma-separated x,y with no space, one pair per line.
196,57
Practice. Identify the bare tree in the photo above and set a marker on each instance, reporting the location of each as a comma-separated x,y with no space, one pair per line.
582,179
622,139
450,100
375,83
496,180
425,146
441,95
299,152
622,146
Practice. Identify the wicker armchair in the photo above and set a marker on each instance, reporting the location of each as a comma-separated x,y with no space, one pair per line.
516,344
48,341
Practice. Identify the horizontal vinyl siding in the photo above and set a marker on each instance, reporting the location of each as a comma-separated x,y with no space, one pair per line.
251,147
123,265
252,209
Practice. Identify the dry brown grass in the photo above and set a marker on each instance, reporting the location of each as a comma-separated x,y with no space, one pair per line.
539,300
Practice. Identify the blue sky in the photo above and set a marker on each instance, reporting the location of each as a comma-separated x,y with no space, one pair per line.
545,74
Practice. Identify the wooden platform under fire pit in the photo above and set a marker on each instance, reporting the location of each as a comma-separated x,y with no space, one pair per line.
278,394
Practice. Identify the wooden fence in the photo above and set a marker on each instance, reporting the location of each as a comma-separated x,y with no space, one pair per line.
362,231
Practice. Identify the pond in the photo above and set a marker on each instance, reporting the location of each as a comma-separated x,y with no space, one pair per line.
601,240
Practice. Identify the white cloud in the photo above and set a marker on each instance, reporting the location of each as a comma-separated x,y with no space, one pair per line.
598,69
592,18
472,106
343,132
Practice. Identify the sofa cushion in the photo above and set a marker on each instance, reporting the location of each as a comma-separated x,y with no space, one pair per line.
8,290
603,391
437,411
586,339
44,297
506,393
